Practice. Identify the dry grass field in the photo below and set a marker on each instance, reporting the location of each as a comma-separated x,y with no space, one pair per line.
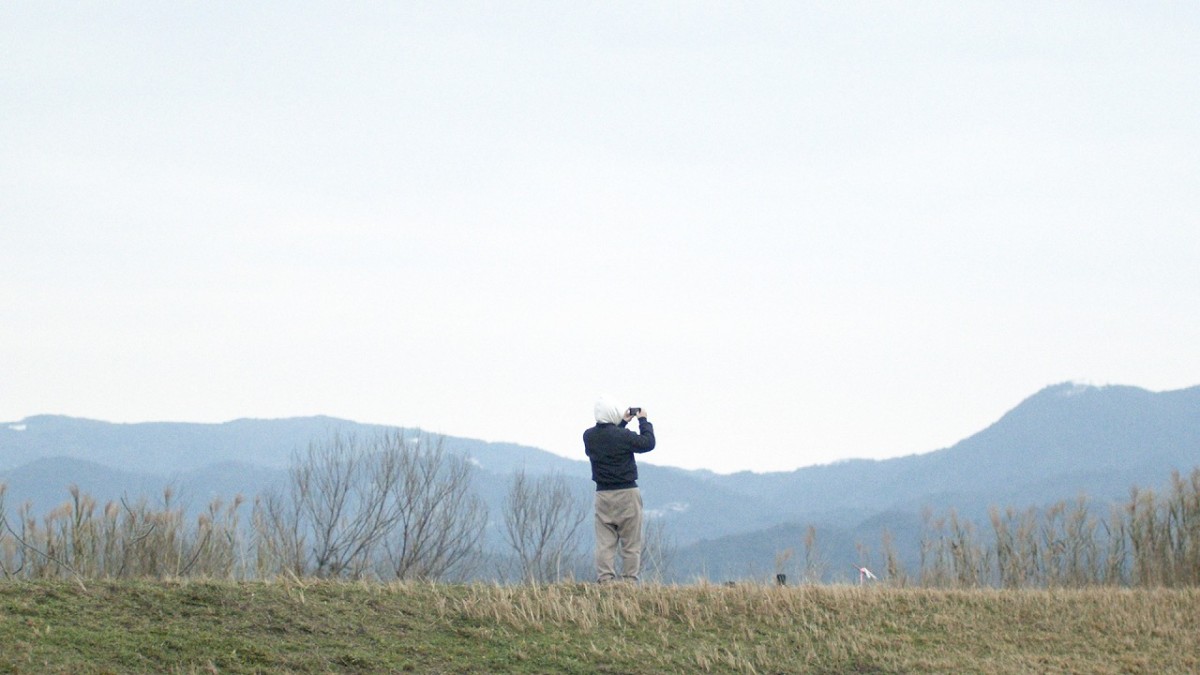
193,626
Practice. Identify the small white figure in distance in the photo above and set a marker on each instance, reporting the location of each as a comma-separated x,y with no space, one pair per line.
864,574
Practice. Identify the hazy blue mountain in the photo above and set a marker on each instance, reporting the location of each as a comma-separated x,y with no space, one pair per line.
166,447
1064,440
169,447
45,483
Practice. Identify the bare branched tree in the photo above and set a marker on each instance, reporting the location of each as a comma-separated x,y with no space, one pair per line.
343,489
393,505
441,521
281,540
542,519
658,551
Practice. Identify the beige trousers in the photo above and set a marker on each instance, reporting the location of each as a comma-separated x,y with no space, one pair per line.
618,526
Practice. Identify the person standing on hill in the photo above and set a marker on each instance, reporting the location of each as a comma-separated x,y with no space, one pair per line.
610,448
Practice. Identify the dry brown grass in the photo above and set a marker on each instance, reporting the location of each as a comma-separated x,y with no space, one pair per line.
764,629
331,626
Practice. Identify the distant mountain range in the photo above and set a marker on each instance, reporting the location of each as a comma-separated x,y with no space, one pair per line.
1063,441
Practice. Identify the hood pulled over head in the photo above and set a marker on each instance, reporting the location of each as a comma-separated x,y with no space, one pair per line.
608,411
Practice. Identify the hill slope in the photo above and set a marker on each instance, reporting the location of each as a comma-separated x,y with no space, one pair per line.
1097,439
364,628
1064,441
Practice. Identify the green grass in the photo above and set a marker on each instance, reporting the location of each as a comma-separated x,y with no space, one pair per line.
319,627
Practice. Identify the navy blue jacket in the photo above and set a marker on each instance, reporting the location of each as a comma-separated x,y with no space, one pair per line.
610,448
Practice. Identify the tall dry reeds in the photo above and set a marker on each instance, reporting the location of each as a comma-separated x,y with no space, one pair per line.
815,560
1149,541
122,540
1164,533
951,554
893,569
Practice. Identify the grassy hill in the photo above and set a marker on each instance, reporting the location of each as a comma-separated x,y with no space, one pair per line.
218,627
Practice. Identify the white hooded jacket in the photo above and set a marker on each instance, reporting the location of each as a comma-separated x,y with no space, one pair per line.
608,411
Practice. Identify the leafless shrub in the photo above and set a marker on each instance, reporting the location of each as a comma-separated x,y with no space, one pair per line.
542,518
1017,550
815,562
893,567
343,488
441,522
1146,537
1164,534
658,551
951,555
935,563
1183,530
1116,559
392,504
971,558
281,538
216,547
1149,541
120,542
1069,536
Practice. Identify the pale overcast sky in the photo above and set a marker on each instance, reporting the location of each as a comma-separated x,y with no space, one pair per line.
794,232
